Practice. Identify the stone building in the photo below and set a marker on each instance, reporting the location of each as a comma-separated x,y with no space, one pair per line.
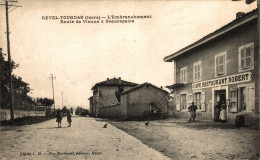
106,93
222,66
138,102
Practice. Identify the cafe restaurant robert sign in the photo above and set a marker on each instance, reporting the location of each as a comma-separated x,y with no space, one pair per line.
237,78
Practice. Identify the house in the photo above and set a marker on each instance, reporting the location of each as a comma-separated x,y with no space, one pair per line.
222,66
107,92
142,100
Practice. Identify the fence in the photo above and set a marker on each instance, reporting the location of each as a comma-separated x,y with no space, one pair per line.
5,114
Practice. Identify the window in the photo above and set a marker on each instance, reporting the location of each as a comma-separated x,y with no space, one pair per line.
246,98
183,101
220,64
246,57
197,97
183,75
197,69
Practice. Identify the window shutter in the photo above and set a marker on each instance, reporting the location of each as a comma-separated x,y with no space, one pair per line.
251,98
224,63
190,99
221,64
184,75
178,107
242,58
217,70
203,103
233,100
198,72
251,55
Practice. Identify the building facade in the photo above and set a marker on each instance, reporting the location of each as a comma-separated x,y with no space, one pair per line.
141,101
106,93
223,66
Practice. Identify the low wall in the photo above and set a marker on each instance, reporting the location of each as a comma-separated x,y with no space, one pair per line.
5,114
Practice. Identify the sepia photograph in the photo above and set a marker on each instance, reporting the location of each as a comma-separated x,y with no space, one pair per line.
129,79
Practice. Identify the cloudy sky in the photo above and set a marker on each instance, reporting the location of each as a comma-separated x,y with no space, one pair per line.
80,55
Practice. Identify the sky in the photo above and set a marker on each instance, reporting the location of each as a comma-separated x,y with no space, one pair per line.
82,54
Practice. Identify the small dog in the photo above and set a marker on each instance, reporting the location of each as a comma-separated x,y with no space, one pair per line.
105,126
146,123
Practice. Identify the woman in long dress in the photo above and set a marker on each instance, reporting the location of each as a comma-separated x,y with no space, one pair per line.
223,112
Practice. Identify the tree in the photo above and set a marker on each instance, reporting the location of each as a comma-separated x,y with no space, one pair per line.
4,79
44,102
4,69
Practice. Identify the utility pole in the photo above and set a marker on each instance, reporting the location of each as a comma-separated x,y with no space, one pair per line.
7,7
51,77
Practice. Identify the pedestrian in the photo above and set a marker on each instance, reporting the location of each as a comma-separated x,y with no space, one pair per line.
192,110
223,112
59,118
217,111
69,118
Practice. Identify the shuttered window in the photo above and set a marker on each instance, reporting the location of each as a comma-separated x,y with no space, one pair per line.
220,64
183,77
197,71
246,57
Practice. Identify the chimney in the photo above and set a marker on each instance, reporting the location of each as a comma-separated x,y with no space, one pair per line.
119,80
240,14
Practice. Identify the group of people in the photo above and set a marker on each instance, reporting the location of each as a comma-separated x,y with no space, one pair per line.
220,112
59,118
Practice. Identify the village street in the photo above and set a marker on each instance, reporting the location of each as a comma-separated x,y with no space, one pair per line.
86,139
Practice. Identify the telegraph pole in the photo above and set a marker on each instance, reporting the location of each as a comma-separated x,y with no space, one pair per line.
10,65
9,58
51,77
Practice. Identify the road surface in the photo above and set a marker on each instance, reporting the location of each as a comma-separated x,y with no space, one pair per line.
86,139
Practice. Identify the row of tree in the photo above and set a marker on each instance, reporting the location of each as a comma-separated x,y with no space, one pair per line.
20,89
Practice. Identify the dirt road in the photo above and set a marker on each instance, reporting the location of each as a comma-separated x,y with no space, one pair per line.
86,139
181,140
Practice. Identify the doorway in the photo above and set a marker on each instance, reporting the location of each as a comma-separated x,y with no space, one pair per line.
220,94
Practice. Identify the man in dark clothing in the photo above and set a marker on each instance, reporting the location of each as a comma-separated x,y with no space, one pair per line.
192,110
217,111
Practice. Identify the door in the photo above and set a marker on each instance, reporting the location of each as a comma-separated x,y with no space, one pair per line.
220,96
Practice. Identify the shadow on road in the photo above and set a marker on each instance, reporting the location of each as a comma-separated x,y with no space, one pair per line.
52,128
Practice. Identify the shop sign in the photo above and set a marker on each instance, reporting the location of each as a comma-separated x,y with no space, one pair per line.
237,78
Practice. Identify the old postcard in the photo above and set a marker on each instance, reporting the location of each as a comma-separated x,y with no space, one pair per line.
173,79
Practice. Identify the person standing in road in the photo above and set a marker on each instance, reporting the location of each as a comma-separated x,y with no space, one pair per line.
69,118
192,110
59,118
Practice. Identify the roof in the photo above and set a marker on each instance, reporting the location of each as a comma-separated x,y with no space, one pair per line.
142,85
114,82
175,85
227,28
